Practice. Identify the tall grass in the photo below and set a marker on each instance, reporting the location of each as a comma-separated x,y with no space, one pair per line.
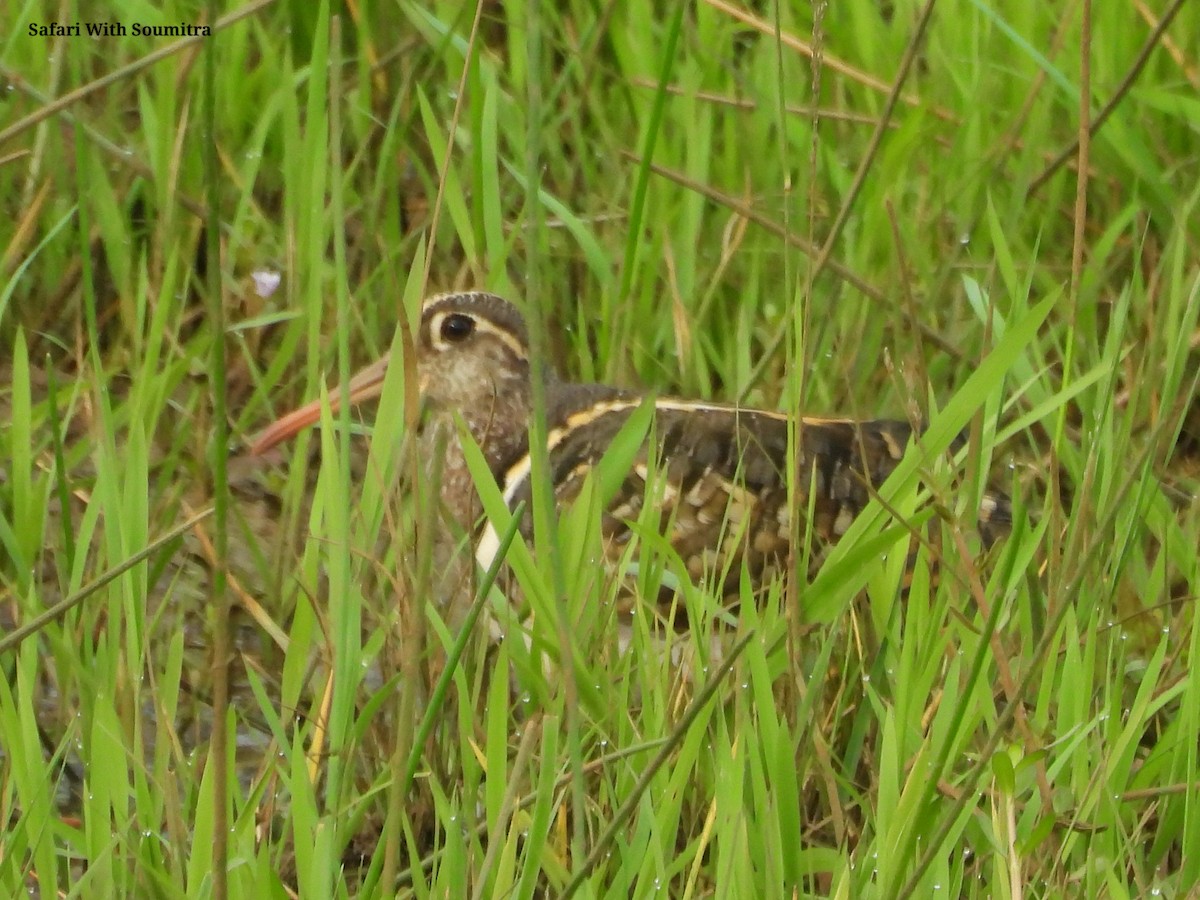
652,185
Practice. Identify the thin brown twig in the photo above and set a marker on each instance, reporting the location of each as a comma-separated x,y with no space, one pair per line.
444,168
823,256
1013,138
747,212
909,308
1190,71
120,154
822,112
69,99
1123,88
14,638
864,166
218,748
1088,558
604,841
1084,143
789,40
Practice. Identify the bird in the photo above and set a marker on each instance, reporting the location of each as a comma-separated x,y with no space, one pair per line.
716,475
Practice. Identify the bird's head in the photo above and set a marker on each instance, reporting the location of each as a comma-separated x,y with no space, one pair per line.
472,358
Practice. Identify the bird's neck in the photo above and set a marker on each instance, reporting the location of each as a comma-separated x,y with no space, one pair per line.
498,425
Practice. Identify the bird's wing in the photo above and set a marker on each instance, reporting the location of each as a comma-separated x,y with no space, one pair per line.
712,479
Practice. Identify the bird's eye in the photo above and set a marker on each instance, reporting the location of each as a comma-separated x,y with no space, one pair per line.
457,327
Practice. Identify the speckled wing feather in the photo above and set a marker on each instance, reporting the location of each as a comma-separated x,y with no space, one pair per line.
721,483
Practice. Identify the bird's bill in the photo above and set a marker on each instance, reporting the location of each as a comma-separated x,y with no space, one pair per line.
365,385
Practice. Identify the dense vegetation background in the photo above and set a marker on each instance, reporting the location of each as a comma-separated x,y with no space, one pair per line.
854,208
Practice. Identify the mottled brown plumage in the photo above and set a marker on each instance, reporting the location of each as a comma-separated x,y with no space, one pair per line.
718,473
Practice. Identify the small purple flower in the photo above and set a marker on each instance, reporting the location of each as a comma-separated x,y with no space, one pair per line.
266,282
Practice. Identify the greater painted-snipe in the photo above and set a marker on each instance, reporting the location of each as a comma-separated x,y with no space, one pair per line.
721,482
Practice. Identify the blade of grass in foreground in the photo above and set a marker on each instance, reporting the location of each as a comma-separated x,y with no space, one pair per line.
678,733
464,636
839,580
17,635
